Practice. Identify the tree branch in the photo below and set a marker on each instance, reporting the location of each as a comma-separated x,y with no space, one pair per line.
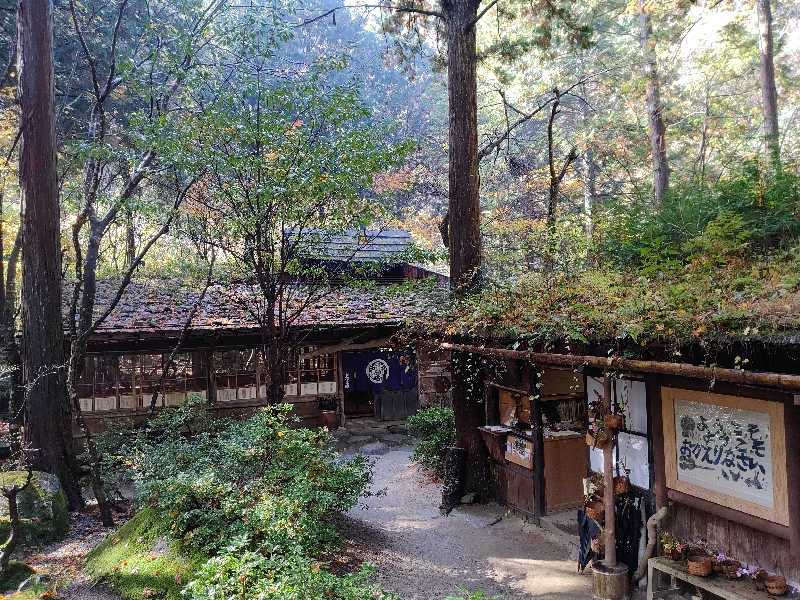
481,14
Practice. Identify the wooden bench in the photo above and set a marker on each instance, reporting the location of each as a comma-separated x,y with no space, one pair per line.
718,585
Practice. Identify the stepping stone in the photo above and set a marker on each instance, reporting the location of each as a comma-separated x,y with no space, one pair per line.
360,439
394,438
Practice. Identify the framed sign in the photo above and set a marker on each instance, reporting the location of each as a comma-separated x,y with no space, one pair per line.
729,450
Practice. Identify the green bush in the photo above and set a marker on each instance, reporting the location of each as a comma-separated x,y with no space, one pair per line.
249,502
253,575
435,428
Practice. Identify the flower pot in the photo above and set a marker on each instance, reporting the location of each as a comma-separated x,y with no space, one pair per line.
702,566
614,421
675,555
776,585
622,485
595,510
731,568
330,419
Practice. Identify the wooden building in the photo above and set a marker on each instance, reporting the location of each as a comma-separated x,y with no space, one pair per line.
340,342
719,447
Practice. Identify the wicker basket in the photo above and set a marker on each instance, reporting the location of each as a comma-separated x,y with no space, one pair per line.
776,585
702,566
731,568
597,546
595,510
614,421
599,440
622,485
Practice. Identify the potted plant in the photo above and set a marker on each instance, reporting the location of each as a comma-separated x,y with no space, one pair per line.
598,436
615,421
673,548
328,413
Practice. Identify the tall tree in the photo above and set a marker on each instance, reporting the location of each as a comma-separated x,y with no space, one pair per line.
655,109
769,93
47,418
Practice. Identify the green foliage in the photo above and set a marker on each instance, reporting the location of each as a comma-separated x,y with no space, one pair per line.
42,508
140,559
247,502
435,428
741,214
467,595
253,575
16,573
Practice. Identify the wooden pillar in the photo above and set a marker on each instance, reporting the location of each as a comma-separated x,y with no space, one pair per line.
211,376
539,507
792,426
258,375
657,436
608,481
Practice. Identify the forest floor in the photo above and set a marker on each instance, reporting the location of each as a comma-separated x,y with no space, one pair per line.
420,554
62,562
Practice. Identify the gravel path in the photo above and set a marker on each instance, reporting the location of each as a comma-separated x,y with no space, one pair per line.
421,555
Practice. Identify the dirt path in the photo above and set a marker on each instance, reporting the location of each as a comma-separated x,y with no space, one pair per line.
421,555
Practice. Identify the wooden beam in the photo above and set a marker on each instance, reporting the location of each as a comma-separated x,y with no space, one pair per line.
776,380
347,345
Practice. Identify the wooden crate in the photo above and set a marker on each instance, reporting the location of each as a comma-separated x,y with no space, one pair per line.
519,451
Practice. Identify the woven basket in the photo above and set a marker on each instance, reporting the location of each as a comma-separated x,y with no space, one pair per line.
597,546
599,440
614,421
731,568
595,510
622,485
776,585
702,566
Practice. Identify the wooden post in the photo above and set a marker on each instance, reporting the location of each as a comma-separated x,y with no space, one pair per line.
792,427
539,482
212,379
657,436
608,481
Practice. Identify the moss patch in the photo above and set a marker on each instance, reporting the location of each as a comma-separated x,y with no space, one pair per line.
140,561
42,506
17,573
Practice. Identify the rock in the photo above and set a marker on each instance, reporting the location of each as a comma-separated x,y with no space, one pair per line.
397,428
374,449
160,546
42,507
32,581
468,498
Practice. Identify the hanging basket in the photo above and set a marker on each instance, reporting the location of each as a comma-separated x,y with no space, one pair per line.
595,510
776,585
597,546
702,566
614,421
622,485
600,440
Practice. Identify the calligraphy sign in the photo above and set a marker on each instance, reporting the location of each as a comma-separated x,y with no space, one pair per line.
729,450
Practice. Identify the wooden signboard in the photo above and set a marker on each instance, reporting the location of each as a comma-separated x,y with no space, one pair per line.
728,450
519,451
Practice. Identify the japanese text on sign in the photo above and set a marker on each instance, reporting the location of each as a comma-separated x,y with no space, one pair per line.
725,449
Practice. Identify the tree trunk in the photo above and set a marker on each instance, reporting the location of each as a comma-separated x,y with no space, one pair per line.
655,109
769,94
468,410
589,192
47,416
464,227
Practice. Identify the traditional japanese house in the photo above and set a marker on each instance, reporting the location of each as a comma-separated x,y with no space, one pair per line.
340,357
718,446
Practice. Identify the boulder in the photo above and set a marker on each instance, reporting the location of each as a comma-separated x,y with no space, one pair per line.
374,449
42,507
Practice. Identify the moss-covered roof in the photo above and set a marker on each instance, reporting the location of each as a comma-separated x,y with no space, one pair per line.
740,300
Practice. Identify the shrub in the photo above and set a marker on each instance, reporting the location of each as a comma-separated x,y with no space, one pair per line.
256,484
435,429
253,575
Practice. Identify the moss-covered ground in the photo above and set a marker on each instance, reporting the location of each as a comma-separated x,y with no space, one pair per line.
17,573
140,561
